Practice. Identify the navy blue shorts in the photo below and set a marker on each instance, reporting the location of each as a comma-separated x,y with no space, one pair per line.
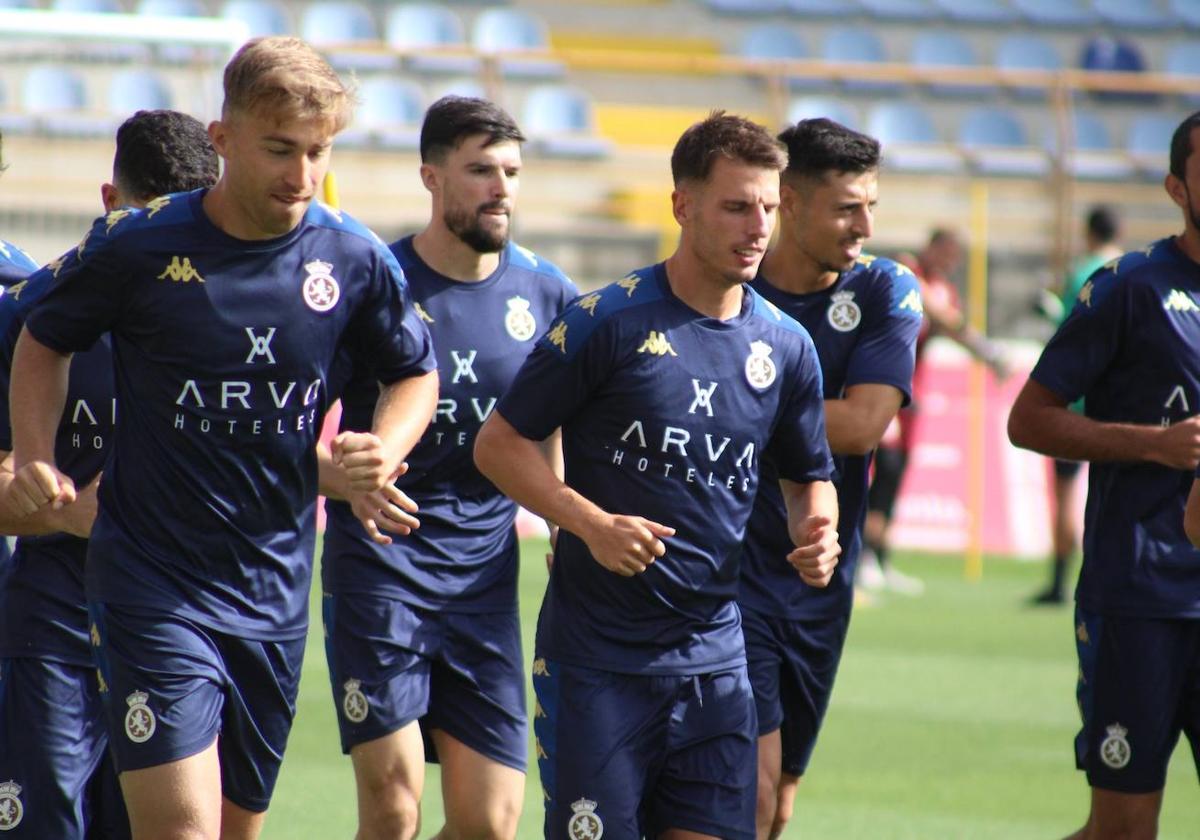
1067,469
170,686
633,756
1139,688
792,666
56,779
391,663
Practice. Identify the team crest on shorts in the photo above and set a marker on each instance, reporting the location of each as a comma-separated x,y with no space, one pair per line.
519,321
354,703
585,824
843,313
760,370
11,809
321,291
1115,750
139,720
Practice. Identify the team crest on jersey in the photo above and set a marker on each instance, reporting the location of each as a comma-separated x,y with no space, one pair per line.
843,313
140,722
760,370
1179,301
519,321
1115,750
321,291
354,702
585,824
11,809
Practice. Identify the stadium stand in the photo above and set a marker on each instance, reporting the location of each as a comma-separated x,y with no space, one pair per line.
1064,13
984,12
432,37
994,142
389,116
519,42
57,98
910,141
137,89
853,44
910,11
835,109
559,122
768,42
1025,51
933,48
263,17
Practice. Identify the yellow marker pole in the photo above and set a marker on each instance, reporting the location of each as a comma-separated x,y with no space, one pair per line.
977,286
329,190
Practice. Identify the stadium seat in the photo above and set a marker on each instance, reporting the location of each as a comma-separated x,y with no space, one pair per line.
560,123
172,8
1024,51
518,40
1149,143
262,17
821,8
18,4
1106,54
1183,59
742,8
345,32
995,143
1186,12
1124,14
851,44
137,89
57,98
901,10
978,11
1067,13
810,107
463,86
1092,155
389,117
421,30
936,48
87,6
909,139
13,121
770,42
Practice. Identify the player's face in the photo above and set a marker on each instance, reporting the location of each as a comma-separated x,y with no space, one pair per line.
1185,192
832,217
727,220
274,165
478,185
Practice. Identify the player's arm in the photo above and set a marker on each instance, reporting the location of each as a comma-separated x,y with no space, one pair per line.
812,514
518,466
552,449
1191,514
949,321
75,519
1041,421
856,422
38,393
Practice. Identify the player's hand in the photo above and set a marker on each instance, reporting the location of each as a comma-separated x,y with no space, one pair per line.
1178,445
386,509
816,559
362,458
39,485
77,519
553,544
627,545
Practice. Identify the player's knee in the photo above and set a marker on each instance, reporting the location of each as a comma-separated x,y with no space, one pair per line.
496,821
783,813
767,802
387,809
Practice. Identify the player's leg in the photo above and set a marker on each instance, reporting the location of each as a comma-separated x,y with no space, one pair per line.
176,800
770,764
1065,535
764,655
788,785
478,723
380,675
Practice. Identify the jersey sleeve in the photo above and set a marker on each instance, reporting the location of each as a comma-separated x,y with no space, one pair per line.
1084,346
387,335
886,351
799,446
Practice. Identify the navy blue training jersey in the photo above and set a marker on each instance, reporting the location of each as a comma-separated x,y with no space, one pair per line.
43,612
464,555
865,328
665,414
1129,348
222,353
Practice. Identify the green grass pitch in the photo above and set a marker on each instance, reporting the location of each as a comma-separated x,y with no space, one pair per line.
952,719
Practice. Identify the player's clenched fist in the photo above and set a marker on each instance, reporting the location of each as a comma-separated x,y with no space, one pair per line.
361,455
627,544
817,557
38,485
1178,445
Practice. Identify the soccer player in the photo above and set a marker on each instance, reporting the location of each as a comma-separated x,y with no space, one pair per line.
863,314
423,635
62,783
670,386
1129,349
227,308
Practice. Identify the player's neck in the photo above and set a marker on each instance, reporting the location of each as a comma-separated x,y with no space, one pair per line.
450,257
701,290
1189,243
789,269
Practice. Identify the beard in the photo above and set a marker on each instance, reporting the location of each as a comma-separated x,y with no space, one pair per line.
467,227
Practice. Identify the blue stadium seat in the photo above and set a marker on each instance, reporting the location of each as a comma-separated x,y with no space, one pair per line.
1149,143
18,4
262,17
57,98
462,86
1125,14
518,38
909,139
995,143
12,120
742,8
978,11
902,10
1183,59
1024,51
1106,54
821,8
937,48
1092,155
421,29
560,123
771,42
1186,12
1072,13
332,24
172,8
389,117
810,107
91,6
852,44
137,89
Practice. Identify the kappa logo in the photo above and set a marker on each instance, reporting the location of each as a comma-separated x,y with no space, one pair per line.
260,345
101,683
912,302
321,290
539,668
181,270
11,809
538,711
1081,633
656,344
140,722
843,313
354,703
1115,750
82,244
14,291
1085,294
585,823
703,398
519,321
539,750
629,284
421,313
1179,301
464,366
113,219
156,204
56,265
558,336
588,303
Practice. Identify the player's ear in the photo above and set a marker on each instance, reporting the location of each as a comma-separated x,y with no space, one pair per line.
218,133
1176,189
681,204
110,197
429,177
